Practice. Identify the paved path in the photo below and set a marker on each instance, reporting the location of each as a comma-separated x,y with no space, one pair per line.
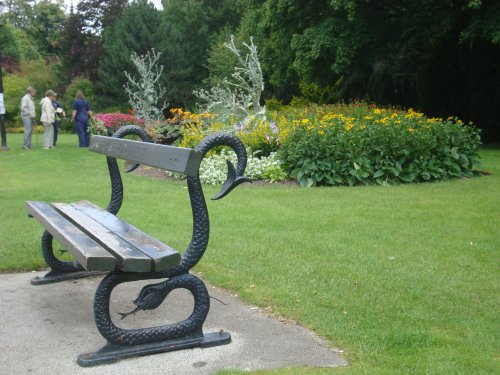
44,328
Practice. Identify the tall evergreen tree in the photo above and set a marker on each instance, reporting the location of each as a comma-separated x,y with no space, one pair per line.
137,30
73,44
189,27
98,15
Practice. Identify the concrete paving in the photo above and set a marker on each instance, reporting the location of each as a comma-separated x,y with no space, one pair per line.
44,328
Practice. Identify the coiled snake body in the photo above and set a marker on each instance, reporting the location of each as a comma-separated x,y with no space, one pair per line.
151,296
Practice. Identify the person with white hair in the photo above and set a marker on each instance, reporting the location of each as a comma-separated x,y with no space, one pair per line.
28,114
48,117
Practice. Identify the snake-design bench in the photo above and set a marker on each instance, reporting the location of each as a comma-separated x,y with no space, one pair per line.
100,242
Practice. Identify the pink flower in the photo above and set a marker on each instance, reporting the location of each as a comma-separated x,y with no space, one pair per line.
114,121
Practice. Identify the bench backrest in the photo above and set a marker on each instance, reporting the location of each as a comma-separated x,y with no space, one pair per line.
175,159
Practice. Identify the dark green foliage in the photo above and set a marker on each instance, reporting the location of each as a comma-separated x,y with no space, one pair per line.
100,14
9,44
27,49
221,61
66,125
137,30
188,28
48,22
81,38
83,85
441,57
15,44
42,21
166,133
74,44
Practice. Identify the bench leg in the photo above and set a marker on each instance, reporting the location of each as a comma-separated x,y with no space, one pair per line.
123,343
60,270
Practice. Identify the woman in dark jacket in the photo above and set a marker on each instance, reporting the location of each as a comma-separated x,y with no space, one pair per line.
81,114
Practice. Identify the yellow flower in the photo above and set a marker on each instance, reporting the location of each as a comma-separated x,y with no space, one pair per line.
411,130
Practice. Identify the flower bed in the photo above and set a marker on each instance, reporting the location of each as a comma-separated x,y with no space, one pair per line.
341,144
109,123
376,145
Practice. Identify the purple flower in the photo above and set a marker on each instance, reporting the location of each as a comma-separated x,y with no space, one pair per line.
274,127
239,126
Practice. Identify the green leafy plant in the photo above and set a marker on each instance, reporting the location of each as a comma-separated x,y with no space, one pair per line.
166,133
379,146
274,173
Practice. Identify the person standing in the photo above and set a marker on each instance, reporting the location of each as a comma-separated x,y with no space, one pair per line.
48,117
81,114
57,122
28,114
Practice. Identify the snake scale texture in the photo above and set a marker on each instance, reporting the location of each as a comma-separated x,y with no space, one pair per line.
151,296
114,173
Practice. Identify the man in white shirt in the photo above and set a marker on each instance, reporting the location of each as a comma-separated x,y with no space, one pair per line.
28,114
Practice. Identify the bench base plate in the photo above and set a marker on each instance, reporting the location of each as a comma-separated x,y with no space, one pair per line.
55,277
112,353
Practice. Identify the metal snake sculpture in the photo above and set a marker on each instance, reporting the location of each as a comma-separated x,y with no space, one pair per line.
152,296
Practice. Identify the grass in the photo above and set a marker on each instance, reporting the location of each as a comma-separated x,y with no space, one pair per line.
404,279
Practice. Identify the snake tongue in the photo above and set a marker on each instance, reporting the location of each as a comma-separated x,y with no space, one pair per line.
124,315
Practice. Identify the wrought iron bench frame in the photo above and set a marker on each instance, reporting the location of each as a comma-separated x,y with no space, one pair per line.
123,343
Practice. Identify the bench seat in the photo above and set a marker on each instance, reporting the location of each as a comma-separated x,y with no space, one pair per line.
100,241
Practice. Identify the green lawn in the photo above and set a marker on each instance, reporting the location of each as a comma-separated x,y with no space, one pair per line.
404,279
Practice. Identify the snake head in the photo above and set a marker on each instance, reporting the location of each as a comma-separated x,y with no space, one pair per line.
150,297
231,182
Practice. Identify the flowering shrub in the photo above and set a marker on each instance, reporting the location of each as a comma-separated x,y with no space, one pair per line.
213,169
170,130
256,134
108,123
375,145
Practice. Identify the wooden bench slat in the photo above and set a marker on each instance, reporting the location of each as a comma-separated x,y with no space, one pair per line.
164,257
129,258
174,159
87,252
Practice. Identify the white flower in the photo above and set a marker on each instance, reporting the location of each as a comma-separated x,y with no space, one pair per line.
213,169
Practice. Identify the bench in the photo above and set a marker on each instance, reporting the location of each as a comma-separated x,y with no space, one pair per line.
101,243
